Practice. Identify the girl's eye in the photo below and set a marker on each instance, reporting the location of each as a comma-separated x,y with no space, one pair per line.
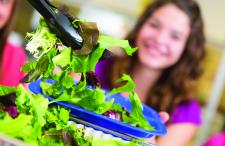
154,25
4,1
175,37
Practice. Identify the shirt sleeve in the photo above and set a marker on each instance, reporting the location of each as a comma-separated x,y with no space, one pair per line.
216,140
187,113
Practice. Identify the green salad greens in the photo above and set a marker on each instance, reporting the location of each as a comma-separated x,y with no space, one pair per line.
40,123
55,54
35,125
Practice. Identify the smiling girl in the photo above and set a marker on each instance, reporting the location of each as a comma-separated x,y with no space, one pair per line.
170,41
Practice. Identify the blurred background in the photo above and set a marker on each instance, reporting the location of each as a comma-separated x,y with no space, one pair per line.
117,17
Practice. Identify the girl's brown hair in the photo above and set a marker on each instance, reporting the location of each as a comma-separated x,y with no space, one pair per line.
176,83
4,32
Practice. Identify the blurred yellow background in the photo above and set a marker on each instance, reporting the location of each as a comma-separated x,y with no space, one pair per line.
211,63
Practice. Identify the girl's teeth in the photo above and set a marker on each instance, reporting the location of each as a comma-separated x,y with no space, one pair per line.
162,52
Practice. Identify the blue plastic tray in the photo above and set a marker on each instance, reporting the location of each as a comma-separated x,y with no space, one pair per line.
119,128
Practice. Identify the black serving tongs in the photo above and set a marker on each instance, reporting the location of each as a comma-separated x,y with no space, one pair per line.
63,27
59,23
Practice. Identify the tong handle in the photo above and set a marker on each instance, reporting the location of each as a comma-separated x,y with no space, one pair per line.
59,23
43,7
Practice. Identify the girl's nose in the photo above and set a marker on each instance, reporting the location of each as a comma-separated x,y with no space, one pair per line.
161,37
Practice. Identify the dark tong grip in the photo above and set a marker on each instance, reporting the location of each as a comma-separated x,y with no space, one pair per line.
43,7
59,23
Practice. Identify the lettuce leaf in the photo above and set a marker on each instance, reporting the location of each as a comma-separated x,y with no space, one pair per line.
128,87
136,116
5,90
41,41
12,126
30,105
108,42
62,59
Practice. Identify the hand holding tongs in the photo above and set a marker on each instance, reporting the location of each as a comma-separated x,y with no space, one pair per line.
59,23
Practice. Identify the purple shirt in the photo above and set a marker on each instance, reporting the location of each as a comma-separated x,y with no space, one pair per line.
184,113
216,140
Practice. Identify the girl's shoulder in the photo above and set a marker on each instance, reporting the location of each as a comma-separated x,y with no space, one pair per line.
189,112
